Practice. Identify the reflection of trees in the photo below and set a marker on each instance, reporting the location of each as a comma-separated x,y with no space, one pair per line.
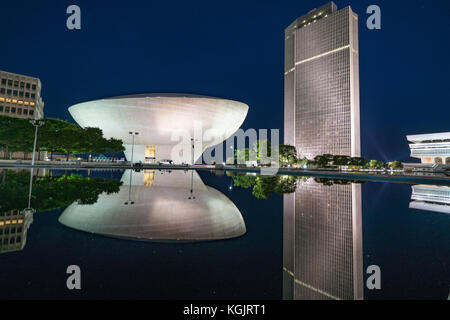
51,192
263,186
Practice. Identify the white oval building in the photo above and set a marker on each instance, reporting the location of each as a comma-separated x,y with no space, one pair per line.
162,121
159,206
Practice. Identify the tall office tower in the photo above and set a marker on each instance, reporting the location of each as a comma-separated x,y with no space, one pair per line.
20,96
322,242
321,97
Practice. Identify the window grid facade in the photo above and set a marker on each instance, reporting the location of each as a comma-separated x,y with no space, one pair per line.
13,230
322,83
322,242
322,224
20,96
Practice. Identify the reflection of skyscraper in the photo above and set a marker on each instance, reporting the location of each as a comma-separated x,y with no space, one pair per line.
321,106
322,242
14,225
430,198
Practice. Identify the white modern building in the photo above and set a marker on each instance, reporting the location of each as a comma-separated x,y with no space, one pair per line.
430,198
431,148
162,126
159,206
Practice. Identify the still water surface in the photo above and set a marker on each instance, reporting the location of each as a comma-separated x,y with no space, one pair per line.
206,235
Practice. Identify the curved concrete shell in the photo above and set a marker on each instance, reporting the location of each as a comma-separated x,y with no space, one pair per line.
161,210
161,120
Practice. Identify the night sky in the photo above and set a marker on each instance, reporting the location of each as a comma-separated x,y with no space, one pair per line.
232,49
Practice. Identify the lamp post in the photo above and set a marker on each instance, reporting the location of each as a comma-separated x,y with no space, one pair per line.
133,133
36,124
129,190
30,210
192,150
191,195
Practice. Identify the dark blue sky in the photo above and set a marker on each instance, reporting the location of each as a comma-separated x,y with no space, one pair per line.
232,49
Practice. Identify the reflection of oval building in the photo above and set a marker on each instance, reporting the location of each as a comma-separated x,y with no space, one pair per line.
157,117
162,210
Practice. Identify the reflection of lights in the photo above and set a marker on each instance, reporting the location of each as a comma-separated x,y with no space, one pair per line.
230,187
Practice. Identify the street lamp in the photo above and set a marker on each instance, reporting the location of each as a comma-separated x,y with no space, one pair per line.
191,196
133,133
29,210
36,124
192,152
129,190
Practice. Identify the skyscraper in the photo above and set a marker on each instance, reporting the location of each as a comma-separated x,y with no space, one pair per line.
321,106
322,250
322,242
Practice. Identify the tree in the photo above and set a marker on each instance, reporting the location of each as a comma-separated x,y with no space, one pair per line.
287,154
244,181
241,156
263,149
341,160
323,160
358,161
395,165
286,184
376,164
54,136
264,186
51,192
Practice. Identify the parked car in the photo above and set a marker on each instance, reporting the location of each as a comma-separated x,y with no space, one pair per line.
165,161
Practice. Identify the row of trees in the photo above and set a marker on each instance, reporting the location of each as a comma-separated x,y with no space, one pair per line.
288,156
328,160
263,186
51,192
54,136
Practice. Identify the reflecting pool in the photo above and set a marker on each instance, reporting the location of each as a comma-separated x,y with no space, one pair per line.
183,234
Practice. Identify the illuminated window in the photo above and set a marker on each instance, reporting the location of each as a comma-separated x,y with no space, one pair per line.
31,103
8,100
14,100
20,102
2,99
26,103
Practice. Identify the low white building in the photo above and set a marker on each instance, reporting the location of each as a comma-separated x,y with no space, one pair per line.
430,198
431,148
